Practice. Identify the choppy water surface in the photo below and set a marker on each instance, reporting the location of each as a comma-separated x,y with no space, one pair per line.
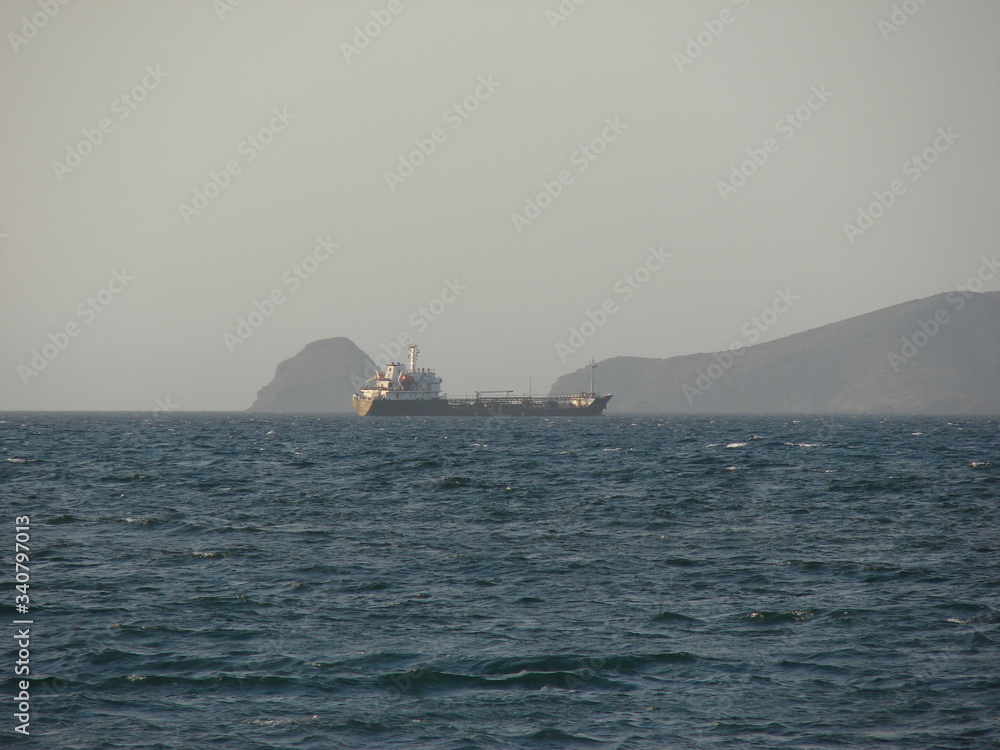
236,581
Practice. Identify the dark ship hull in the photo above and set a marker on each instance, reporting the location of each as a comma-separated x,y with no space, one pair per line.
409,391
484,406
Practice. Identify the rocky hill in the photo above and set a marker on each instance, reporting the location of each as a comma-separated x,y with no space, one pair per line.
939,355
320,378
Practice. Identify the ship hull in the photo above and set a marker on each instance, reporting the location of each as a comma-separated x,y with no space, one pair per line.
482,407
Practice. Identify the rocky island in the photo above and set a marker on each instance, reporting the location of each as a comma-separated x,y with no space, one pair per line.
939,355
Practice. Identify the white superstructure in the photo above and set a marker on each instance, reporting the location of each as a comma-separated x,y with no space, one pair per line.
402,383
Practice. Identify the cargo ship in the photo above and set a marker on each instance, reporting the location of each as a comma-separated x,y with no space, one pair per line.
411,391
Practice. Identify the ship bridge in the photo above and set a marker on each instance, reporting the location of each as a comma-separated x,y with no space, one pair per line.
404,382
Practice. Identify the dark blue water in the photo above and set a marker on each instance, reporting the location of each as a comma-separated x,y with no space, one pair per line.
235,581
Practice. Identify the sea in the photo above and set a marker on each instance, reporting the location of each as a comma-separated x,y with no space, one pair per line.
299,581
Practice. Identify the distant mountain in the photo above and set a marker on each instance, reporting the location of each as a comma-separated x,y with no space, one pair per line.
320,378
939,355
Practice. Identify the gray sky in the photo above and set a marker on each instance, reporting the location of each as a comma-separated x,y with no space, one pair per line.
823,104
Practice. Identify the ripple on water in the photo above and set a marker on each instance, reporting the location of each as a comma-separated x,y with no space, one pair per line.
250,581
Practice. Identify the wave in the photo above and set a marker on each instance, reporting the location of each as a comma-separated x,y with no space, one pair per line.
422,681
142,521
557,671
291,721
675,617
765,617
636,595
126,478
552,737
449,482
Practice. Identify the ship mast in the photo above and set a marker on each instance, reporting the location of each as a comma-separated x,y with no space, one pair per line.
593,366
413,357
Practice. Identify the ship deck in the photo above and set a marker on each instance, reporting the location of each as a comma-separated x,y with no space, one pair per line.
524,400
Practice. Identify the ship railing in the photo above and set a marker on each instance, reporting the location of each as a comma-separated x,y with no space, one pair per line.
510,400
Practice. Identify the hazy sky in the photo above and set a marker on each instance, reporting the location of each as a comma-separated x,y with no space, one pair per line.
169,167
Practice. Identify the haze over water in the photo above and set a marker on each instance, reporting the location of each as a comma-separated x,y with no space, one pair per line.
192,191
